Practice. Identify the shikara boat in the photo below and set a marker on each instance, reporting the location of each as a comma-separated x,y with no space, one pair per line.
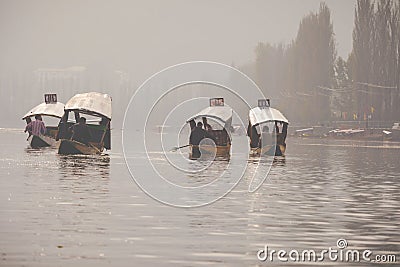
266,137
50,108
95,105
395,132
217,121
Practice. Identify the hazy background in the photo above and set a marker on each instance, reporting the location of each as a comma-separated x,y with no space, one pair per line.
120,43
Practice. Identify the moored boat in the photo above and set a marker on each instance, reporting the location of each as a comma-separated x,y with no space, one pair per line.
50,108
216,122
395,136
98,107
267,130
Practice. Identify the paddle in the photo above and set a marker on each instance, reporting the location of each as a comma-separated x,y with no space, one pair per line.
178,147
95,147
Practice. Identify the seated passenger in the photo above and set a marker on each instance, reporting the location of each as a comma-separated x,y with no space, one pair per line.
254,136
265,137
81,132
198,134
284,133
36,127
207,126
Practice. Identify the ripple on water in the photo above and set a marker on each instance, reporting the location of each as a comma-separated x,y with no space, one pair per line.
65,210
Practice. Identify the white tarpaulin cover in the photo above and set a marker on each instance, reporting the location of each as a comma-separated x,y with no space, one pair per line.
222,114
91,102
51,109
260,115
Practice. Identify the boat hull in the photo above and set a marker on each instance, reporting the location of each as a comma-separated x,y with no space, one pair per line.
218,151
36,141
270,150
395,134
70,147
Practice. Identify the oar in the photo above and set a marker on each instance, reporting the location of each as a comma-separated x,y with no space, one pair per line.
178,147
95,147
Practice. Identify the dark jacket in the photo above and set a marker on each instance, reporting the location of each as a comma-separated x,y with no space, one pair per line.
81,133
254,136
197,135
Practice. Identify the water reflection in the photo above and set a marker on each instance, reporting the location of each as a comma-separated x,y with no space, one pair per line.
202,172
279,161
84,165
86,208
82,205
83,173
37,151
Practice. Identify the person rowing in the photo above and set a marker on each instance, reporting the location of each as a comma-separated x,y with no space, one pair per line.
198,134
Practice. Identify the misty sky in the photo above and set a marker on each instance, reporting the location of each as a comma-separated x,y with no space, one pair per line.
142,37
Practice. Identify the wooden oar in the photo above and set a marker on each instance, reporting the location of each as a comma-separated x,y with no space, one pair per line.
178,147
95,147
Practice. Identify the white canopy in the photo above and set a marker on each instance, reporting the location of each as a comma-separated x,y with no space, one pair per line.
221,114
91,103
260,115
51,109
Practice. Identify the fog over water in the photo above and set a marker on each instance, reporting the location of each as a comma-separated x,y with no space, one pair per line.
113,46
145,201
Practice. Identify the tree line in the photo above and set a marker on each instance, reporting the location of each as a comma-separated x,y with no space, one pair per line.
311,83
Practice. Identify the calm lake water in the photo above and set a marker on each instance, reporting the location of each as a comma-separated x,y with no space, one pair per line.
87,211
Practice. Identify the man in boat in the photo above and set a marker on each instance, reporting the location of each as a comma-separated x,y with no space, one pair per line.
36,127
276,128
198,134
254,136
207,126
265,138
28,121
284,133
81,132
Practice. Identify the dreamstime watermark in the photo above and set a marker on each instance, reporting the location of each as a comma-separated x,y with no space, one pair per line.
157,115
340,253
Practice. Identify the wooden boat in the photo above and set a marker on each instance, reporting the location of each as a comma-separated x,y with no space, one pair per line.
395,136
96,105
72,147
50,108
217,121
266,137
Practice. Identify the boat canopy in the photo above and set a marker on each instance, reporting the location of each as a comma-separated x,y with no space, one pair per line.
259,115
222,114
92,103
50,109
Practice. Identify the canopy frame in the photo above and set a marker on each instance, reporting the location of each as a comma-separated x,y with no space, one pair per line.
93,103
221,114
259,116
55,110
